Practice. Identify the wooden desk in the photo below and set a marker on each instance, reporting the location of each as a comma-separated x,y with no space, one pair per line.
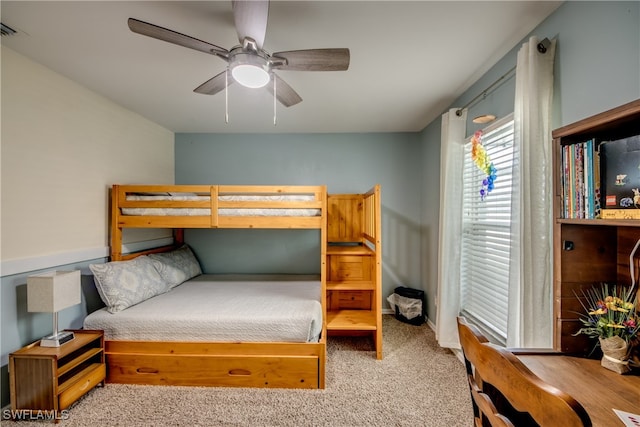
596,388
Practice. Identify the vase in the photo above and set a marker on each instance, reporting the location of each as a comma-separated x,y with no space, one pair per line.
615,354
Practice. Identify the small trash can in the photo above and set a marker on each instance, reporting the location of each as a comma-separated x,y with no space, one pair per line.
409,305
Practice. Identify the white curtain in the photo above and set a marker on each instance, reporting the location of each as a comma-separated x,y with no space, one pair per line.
451,166
530,317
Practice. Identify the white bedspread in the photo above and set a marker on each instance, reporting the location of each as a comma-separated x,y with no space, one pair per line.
223,211
256,308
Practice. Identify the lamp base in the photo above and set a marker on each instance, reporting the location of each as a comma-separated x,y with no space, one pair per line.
57,340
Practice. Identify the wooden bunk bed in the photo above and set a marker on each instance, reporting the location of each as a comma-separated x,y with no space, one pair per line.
253,364
239,364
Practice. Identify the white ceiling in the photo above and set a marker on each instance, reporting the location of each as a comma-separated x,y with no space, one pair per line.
409,60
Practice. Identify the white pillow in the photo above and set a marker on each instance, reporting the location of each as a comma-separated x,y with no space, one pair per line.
177,266
122,284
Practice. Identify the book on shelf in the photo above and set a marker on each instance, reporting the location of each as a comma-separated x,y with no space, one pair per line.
580,180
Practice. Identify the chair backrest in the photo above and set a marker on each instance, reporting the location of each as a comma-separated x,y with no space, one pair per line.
505,392
484,411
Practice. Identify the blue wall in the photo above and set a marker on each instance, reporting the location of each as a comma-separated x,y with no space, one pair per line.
346,163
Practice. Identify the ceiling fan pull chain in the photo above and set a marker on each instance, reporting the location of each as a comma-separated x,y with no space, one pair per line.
226,96
275,114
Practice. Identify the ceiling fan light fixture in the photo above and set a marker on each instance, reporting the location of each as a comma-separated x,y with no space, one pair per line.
250,70
250,75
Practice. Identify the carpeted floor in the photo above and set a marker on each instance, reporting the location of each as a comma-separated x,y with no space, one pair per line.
417,384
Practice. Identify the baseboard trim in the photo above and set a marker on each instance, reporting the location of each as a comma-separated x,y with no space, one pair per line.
392,312
25,265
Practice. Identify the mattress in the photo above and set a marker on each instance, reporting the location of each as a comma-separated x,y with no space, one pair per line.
229,308
223,211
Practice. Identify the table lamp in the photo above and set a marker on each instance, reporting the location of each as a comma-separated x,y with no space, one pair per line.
52,292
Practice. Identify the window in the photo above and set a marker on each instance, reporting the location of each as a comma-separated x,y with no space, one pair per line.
487,233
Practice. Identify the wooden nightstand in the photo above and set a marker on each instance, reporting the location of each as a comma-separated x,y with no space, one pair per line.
44,381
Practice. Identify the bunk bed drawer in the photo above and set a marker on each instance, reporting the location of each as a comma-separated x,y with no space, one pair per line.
350,267
230,370
349,300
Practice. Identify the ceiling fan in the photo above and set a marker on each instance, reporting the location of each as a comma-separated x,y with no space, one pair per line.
248,63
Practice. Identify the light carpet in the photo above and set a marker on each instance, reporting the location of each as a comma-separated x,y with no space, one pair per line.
416,384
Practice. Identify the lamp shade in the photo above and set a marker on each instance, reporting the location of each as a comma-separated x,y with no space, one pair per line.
53,291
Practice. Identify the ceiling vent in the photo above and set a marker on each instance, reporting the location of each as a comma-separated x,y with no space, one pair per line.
6,31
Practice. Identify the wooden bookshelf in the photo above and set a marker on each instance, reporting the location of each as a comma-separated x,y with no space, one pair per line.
588,252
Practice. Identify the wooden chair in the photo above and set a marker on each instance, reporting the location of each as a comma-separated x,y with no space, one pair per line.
506,393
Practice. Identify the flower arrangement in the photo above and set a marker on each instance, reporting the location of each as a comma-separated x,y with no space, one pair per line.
610,312
611,316
483,162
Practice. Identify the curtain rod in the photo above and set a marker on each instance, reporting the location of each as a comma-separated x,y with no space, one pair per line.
484,92
542,48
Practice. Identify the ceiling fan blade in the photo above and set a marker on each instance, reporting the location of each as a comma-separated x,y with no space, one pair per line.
174,37
284,93
251,20
314,60
214,84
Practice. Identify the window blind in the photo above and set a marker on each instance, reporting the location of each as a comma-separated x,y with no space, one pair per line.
486,233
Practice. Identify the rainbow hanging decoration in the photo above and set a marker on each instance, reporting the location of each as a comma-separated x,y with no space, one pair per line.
482,160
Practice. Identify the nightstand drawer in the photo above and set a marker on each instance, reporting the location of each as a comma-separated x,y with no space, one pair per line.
92,376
